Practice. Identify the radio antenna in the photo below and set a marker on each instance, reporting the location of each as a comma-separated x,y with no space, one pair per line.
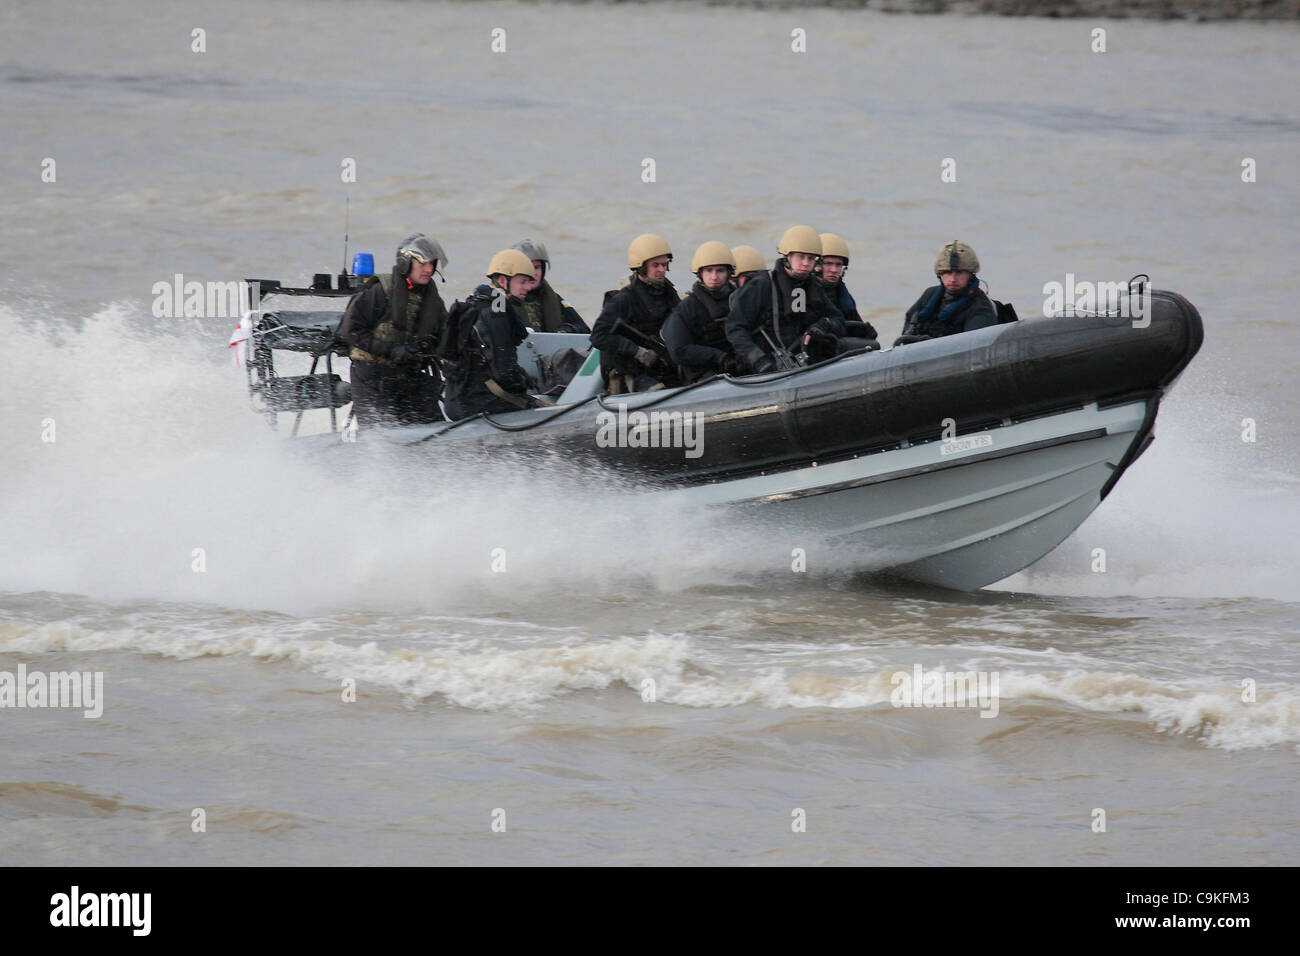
347,209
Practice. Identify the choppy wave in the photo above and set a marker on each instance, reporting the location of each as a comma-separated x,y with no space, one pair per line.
671,669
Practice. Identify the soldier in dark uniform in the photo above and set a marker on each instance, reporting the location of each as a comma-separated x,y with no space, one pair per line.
483,374
785,311
633,357
392,326
696,331
830,273
544,310
957,304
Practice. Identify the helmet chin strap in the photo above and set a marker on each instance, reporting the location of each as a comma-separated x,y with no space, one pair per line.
789,267
411,264
642,273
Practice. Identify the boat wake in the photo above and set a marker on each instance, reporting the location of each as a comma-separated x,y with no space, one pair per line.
134,471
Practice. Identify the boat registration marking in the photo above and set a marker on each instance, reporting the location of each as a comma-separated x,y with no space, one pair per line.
965,443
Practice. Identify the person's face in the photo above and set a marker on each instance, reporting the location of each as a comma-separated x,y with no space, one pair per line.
954,281
421,272
520,286
833,268
656,268
714,277
801,263
744,277
539,269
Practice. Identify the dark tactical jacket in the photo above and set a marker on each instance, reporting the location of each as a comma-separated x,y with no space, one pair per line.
631,319
487,350
853,322
752,310
931,316
696,332
545,311
391,312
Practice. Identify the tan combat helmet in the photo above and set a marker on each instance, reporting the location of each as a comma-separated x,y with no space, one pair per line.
510,262
956,257
647,246
803,239
833,245
748,259
713,253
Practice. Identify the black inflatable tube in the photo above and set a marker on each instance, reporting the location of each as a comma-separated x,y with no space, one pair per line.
878,400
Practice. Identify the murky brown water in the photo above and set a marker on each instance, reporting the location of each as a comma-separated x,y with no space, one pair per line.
524,692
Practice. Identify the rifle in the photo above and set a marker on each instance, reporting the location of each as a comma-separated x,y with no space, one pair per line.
421,354
655,345
784,360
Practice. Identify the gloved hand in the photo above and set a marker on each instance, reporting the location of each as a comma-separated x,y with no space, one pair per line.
399,354
418,355
823,328
763,364
909,339
859,329
819,340
873,345
647,357
821,336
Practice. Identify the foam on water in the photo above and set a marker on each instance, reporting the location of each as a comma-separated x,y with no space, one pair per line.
1181,523
677,671
156,454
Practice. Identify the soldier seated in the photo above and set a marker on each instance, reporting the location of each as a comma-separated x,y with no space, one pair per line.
830,273
483,372
696,332
957,304
633,357
783,316
544,310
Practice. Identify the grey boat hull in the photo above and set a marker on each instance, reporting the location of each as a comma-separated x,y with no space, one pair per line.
959,515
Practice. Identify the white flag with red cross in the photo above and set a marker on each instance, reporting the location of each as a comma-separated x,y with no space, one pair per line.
239,340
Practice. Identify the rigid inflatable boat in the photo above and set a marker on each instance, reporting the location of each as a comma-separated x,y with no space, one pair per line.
954,461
